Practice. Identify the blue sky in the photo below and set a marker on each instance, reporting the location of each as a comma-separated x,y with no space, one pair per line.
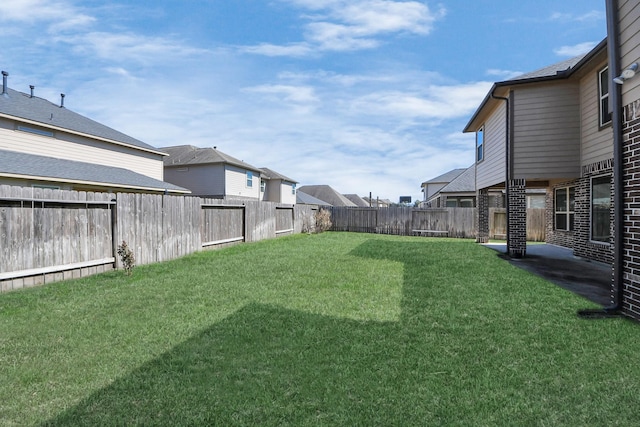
363,95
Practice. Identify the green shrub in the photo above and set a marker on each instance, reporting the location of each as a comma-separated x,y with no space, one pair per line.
127,258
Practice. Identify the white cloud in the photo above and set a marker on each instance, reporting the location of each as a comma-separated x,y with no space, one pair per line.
436,102
340,25
575,50
268,49
594,15
60,15
503,74
295,94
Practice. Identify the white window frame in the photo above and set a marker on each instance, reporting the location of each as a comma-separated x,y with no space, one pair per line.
249,179
568,213
603,98
480,144
607,239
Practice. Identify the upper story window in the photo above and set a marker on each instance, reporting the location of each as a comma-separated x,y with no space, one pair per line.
37,131
293,189
249,179
480,144
603,93
565,201
263,185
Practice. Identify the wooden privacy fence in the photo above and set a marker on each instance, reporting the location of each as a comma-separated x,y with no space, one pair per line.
49,235
451,222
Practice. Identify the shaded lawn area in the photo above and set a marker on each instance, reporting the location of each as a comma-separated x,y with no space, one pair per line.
332,329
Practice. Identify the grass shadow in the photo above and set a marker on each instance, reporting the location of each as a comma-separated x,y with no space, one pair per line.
447,361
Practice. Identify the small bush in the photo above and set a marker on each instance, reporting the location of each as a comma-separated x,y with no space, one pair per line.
127,258
323,221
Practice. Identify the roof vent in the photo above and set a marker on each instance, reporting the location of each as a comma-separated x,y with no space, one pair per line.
4,83
62,100
32,87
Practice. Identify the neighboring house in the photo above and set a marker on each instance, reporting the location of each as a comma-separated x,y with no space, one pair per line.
459,193
47,145
303,198
431,188
357,200
276,187
326,193
377,202
550,129
208,172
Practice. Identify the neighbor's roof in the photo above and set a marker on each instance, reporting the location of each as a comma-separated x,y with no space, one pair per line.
357,200
38,111
328,194
445,177
558,71
271,174
303,198
184,155
31,166
463,183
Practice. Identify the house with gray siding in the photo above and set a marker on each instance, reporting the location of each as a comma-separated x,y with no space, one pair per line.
208,172
549,130
43,144
276,187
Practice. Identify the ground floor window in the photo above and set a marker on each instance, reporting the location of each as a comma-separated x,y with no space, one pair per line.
565,200
601,209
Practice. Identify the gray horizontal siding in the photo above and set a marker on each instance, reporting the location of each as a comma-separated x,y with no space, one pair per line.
491,170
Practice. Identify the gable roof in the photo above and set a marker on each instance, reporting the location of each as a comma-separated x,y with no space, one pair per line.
445,177
357,200
307,199
31,166
558,71
463,183
38,111
271,174
328,194
184,155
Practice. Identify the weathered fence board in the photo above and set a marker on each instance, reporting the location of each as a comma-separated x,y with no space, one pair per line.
451,222
48,235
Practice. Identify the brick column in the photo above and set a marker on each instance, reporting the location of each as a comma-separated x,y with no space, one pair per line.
482,216
517,219
631,240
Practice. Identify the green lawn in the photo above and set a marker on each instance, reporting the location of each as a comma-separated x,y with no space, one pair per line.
332,329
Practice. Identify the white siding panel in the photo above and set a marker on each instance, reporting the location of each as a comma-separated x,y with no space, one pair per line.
546,139
491,170
596,143
84,150
202,180
236,183
629,15
286,195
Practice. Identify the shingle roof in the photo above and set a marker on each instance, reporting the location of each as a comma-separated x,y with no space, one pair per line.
328,194
463,183
183,155
446,177
271,174
59,170
551,70
357,200
307,199
22,106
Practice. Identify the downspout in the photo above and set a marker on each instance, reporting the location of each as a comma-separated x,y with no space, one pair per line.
615,96
507,154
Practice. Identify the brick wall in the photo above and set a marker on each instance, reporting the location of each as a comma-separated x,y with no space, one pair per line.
583,246
517,218
482,217
631,240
